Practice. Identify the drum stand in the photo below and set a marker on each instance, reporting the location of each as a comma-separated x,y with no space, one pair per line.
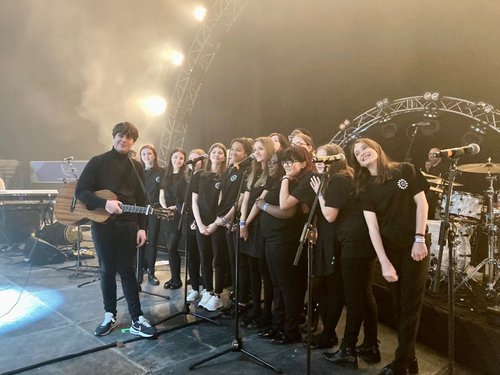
490,264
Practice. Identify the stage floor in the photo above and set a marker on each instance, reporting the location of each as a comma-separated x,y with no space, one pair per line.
47,315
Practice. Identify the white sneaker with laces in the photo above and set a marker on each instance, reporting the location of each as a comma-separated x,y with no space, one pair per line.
193,295
205,297
215,303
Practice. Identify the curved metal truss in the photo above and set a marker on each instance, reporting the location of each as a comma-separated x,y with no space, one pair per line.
220,18
430,103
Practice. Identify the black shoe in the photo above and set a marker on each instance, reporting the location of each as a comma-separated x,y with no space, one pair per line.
413,367
167,284
369,353
392,369
269,333
343,357
322,341
175,285
152,278
259,324
283,339
107,324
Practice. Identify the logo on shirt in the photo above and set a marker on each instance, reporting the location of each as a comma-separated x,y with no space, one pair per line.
157,179
217,185
234,177
403,184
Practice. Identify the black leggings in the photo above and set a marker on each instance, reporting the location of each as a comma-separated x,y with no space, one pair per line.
213,256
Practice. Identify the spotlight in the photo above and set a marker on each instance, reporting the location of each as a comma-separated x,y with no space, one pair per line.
382,103
431,96
177,58
200,13
153,105
427,96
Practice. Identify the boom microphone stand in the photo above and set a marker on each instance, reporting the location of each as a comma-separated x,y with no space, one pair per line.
446,229
237,344
308,234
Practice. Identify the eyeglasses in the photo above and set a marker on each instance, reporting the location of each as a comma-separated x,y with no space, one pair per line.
300,144
288,163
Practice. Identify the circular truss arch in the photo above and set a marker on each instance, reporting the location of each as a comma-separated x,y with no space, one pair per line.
430,104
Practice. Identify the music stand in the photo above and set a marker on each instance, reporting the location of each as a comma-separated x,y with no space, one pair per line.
237,343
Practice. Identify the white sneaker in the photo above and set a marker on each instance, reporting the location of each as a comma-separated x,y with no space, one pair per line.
193,295
215,303
205,297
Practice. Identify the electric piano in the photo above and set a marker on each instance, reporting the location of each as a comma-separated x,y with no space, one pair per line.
27,197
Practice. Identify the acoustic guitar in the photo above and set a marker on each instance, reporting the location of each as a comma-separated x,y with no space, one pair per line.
70,211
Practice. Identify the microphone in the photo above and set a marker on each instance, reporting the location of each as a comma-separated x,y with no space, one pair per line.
421,123
328,159
196,160
472,149
69,158
242,164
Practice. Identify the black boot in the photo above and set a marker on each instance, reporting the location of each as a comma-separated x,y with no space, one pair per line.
152,278
413,366
369,353
343,357
393,369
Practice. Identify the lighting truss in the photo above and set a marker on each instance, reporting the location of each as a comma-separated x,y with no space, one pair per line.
480,112
207,41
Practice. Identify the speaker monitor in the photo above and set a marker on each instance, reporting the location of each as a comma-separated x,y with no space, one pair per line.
40,252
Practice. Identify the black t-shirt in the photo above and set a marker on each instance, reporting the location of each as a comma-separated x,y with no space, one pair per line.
231,181
174,189
207,185
350,225
393,203
153,178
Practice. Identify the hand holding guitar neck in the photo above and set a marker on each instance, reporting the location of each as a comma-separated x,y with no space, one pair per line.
114,206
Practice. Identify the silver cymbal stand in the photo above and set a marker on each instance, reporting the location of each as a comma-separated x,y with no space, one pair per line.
490,264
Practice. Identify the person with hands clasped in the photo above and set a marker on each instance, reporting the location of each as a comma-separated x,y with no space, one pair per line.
393,200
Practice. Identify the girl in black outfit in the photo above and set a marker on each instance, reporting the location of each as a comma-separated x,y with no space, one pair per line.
172,194
395,209
281,222
258,182
211,242
339,205
153,176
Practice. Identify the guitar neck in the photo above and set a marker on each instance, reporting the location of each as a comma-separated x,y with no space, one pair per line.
137,209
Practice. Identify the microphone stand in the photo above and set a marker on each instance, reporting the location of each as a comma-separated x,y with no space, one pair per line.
184,212
237,343
308,234
444,230
408,157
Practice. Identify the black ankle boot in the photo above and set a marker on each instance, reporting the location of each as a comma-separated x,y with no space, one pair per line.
343,357
152,278
392,369
369,353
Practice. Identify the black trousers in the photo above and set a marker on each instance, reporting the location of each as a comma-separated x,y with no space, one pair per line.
213,255
148,252
357,279
171,240
327,292
280,253
407,297
193,260
115,245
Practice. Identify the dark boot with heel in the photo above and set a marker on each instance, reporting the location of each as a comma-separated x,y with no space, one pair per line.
152,278
345,357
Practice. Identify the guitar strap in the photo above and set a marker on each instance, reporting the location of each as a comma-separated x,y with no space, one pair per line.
140,180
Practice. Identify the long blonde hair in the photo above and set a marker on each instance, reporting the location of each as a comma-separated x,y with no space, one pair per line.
268,145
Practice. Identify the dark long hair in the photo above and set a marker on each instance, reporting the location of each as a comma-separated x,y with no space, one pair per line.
170,168
156,165
339,166
300,154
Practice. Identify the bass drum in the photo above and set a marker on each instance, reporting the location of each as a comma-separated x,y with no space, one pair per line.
464,205
58,234
461,248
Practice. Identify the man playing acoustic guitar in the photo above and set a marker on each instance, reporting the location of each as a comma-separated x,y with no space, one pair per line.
116,242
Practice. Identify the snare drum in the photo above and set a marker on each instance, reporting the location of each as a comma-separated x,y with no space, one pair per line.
465,204
461,248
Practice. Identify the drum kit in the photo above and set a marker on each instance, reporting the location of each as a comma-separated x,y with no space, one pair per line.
470,216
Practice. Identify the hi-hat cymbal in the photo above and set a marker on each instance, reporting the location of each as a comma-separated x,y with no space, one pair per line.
436,189
442,181
480,168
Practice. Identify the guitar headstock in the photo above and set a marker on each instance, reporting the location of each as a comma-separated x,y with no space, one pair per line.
163,213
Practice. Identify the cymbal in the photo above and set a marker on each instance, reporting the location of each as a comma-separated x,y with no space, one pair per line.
480,168
442,181
436,189
427,175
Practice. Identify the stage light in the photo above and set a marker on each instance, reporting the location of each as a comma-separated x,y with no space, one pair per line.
177,58
200,13
382,103
153,105
431,95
